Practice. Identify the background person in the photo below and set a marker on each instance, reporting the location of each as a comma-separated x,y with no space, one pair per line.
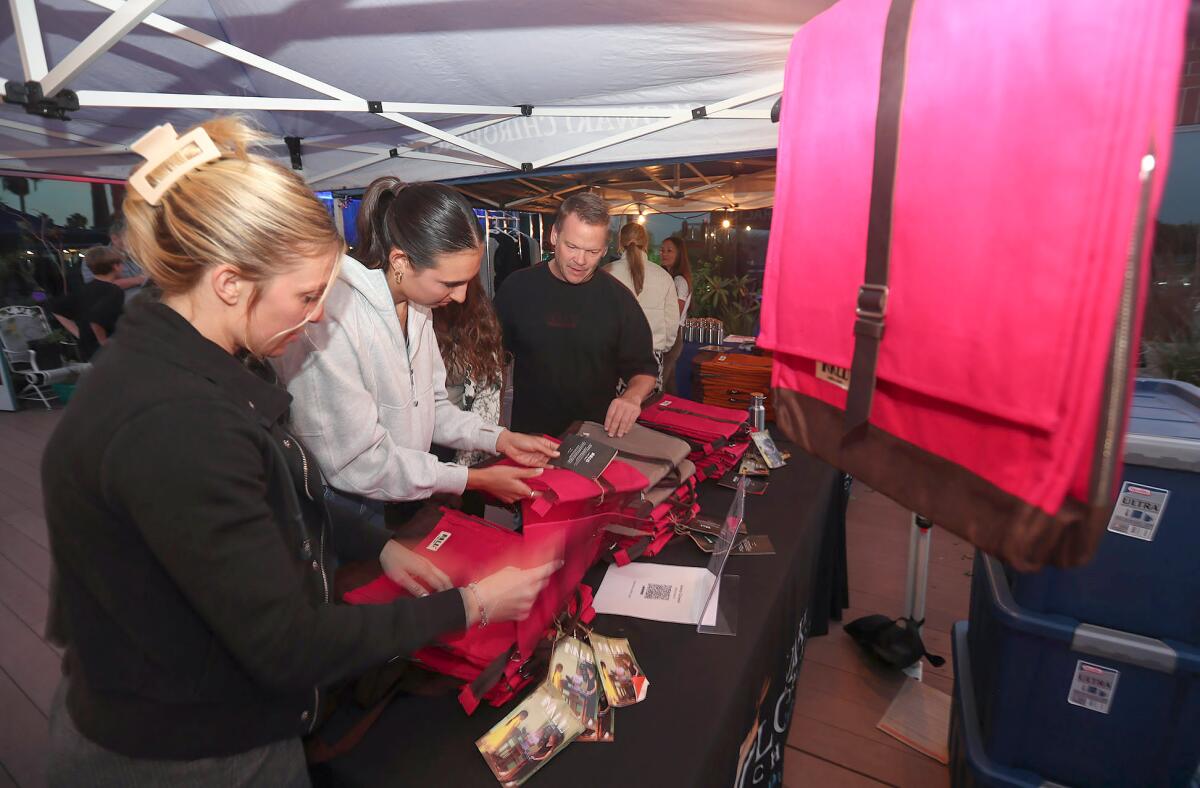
650,284
673,254
472,348
190,544
575,332
90,313
369,384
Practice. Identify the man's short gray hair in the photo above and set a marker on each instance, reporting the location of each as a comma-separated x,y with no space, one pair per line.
587,206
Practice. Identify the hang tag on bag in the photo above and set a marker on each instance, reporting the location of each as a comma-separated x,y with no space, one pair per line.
536,730
606,727
770,453
573,678
624,681
755,485
706,525
758,544
585,456
705,542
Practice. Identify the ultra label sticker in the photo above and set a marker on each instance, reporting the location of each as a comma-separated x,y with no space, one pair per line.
1093,687
838,376
1139,510
438,541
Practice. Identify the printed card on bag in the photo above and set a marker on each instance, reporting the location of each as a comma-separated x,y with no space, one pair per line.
534,732
755,485
624,682
586,456
573,677
606,725
709,526
767,449
757,544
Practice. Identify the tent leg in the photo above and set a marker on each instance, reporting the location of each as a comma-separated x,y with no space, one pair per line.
918,580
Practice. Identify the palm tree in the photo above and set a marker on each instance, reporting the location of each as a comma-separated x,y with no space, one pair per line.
18,186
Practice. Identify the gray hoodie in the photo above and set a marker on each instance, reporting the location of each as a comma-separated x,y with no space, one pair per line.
367,409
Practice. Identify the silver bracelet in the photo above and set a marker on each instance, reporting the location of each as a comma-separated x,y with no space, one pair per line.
483,614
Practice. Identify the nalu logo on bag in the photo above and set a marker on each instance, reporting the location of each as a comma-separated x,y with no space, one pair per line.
438,541
838,376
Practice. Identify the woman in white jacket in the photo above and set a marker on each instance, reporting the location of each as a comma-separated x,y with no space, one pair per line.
369,385
651,285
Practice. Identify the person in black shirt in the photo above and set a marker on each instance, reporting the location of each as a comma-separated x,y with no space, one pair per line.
575,332
90,313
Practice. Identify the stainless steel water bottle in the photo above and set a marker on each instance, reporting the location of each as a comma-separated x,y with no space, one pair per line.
758,411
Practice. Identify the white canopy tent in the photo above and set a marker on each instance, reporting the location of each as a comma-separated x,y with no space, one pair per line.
424,90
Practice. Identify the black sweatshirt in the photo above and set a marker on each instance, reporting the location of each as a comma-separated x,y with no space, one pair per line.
195,565
571,344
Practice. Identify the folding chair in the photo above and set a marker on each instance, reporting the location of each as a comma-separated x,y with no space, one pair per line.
19,327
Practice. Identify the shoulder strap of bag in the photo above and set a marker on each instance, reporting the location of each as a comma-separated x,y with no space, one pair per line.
873,294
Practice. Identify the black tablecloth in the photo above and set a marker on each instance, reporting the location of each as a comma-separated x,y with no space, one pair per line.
716,705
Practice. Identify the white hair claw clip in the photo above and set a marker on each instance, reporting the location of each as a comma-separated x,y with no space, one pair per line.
158,146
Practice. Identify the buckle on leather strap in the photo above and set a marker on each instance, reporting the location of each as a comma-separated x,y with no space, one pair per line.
872,302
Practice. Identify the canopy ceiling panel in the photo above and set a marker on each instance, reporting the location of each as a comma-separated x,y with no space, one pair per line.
608,82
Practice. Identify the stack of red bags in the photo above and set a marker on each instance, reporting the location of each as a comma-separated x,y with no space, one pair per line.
718,436
498,660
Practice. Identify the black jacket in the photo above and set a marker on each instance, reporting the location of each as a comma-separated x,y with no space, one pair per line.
195,565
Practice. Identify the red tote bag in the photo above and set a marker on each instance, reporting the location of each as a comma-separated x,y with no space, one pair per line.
963,218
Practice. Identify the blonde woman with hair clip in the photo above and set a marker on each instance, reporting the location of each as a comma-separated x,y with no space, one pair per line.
193,552
651,285
369,383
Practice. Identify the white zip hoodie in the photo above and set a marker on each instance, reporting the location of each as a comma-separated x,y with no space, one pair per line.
368,416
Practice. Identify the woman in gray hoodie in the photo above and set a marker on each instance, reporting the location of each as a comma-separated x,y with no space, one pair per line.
369,384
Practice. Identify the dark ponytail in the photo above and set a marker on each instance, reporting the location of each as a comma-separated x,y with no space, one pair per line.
423,220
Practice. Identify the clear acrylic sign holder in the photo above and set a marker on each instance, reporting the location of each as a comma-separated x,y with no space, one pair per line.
724,594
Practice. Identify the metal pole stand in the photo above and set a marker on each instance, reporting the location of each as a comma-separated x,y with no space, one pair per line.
918,580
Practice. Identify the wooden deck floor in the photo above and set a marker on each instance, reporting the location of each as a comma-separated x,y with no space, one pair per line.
834,741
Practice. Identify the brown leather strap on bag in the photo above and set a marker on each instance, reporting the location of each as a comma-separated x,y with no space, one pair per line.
873,295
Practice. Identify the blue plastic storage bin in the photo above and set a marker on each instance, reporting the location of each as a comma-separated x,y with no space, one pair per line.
1150,586
970,764
1076,703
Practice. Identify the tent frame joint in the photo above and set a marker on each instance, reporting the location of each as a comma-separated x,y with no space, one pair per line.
527,110
526,166
293,146
375,107
30,96
699,113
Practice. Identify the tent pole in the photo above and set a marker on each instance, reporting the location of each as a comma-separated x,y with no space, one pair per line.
558,193
677,119
475,196
29,38
643,112
102,39
917,582
63,153
401,152
235,53
708,182
62,135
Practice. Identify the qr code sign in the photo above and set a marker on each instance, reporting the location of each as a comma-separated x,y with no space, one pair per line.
657,591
